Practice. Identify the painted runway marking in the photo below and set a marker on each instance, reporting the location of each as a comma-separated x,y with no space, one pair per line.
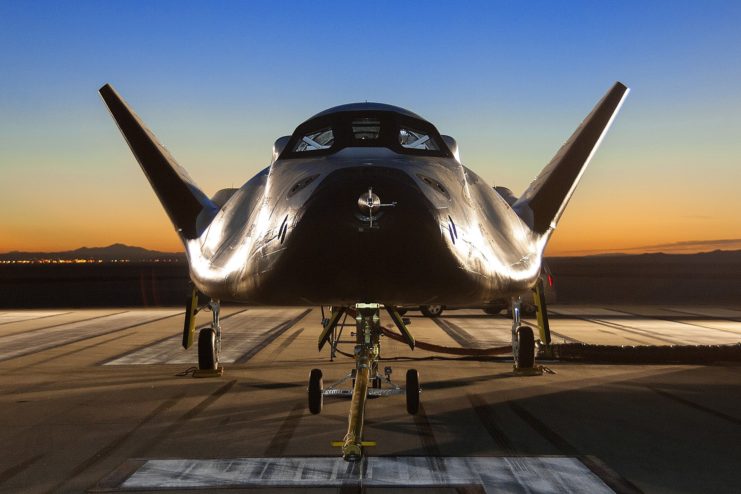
242,335
667,331
16,345
550,474
601,325
28,315
487,331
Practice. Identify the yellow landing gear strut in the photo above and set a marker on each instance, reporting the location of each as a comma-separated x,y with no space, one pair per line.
367,381
366,365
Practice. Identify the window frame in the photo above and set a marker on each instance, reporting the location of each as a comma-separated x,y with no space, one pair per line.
341,125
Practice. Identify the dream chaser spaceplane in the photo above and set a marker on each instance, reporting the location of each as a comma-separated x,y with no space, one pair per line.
365,207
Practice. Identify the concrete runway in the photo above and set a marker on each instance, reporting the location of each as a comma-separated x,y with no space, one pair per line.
100,400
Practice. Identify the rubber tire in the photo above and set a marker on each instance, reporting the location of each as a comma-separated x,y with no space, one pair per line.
525,347
402,311
412,390
492,311
432,310
316,388
207,349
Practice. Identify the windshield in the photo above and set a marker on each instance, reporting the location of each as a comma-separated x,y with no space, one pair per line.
320,139
330,133
414,139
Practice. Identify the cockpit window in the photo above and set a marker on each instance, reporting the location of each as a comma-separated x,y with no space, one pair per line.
330,133
366,129
320,139
414,139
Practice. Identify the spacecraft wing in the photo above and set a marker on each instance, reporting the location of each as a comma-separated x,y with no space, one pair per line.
543,202
188,207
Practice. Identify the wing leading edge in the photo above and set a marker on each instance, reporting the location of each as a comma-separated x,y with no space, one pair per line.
188,207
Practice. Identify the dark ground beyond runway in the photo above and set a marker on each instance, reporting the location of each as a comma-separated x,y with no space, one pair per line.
85,392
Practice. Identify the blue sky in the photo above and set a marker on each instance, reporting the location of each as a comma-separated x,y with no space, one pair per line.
219,81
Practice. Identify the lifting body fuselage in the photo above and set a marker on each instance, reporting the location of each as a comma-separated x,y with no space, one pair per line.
294,235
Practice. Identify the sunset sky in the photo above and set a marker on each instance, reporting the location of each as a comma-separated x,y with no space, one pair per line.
218,82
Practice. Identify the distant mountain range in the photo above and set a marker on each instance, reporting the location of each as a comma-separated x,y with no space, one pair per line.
109,253
139,254
711,256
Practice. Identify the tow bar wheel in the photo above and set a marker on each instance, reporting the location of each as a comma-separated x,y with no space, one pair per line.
316,391
412,389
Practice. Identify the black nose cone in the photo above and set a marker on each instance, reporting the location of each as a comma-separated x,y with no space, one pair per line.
340,253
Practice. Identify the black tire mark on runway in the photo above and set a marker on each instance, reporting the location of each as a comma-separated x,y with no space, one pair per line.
51,346
460,335
465,340
424,430
286,343
614,481
627,329
676,320
193,412
11,472
65,354
732,319
696,406
36,330
281,438
270,335
549,434
156,342
106,450
36,318
487,417
429,444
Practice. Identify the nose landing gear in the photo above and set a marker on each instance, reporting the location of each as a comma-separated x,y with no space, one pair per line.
367,381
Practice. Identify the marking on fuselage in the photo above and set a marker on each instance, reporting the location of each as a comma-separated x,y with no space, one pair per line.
534,474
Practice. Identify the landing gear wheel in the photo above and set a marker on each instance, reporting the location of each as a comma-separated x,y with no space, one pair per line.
316,391
431,310
525,347
401,311
492,311
412,391
207,349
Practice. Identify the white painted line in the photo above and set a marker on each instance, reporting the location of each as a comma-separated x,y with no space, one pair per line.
240,333
552,474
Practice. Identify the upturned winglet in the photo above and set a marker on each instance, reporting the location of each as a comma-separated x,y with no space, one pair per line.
543,202
188,207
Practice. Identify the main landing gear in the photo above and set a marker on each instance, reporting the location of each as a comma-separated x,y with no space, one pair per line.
366,379
209,338
209,341
523,340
